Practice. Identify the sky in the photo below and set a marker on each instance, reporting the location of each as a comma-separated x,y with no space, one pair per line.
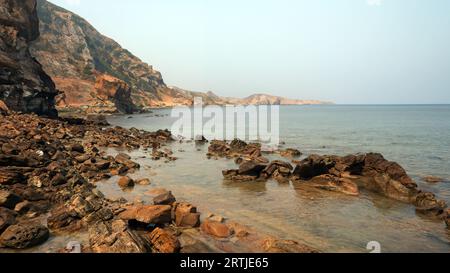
345,51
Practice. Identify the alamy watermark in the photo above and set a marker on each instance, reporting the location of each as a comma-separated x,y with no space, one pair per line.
249,123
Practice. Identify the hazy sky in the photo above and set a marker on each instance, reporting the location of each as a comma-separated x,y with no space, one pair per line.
346,51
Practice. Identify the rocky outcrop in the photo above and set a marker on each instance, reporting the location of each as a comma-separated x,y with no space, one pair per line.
24,86
93,71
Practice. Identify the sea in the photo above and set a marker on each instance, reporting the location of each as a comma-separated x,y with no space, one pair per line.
415,136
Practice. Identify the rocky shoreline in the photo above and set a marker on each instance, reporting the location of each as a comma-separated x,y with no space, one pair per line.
347,175
48,171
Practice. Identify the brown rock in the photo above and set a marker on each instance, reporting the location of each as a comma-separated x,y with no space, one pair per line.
251,168
24,236
433,179
164,242
216,229
63,219
125,182
166,198
9,200
12,175
290,153
122,158
143,182
186,215
156,214
426,203
331,183
272,245
116,237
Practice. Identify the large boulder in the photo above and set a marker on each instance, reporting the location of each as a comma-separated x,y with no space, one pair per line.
24,236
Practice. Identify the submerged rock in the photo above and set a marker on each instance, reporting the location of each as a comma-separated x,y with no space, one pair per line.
433,179
125,182
216,229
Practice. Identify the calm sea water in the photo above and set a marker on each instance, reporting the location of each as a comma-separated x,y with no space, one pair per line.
417,137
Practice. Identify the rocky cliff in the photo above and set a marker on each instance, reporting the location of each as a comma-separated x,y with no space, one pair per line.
98,75
81,61
24,86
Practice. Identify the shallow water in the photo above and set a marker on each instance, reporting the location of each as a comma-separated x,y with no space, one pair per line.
418,137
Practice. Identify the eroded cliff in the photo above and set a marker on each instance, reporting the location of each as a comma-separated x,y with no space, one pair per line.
24,86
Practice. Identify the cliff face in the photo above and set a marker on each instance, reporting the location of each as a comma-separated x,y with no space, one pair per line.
96,74
24,86
78,57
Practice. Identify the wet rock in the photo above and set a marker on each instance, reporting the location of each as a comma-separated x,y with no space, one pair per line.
433,179
24,236
81,206
143,182
290,153
122,158
186,215
8,199
7,218
24,207
335,184
163,241
216,229
237,148
125,182
116,237
371,171
166,198
272,245
216,218
251,168
156,214
63,219
426,203
77,147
